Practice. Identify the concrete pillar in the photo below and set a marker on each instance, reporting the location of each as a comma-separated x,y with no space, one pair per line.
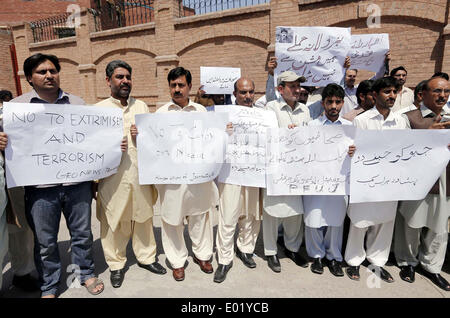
167,59
22,37
86,65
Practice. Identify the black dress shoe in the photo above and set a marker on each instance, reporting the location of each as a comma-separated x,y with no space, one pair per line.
154,268
353,272
438,280
221,272
274,263
316,266
382,274
407,273
246,258
26,283
335,268
296,258
117,278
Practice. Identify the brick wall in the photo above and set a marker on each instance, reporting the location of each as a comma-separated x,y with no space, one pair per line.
14,11
6,68
243,38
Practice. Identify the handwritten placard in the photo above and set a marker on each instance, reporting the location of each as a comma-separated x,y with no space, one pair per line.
367,51
245,162
317,53
61,143
397,164
219,80
180,147
309,160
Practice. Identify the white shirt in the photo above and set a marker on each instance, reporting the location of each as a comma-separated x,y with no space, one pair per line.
286,205
350,100
325,210
406,109
180,200
371,213
404,99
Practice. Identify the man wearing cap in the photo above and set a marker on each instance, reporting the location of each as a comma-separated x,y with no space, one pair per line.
285,210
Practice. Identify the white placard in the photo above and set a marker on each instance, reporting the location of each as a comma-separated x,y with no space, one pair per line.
309,160
368,51
317,53
219,80
245,162
391,165
180,147
50,143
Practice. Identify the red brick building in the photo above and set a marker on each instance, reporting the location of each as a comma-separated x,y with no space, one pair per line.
419,34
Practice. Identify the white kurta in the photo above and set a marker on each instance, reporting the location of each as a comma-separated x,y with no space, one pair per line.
181,200
325,210
372,213
404,99
433,211
283,206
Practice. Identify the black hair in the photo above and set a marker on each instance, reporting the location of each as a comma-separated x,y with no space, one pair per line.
177,72
333,90
400,68
364,87
34,60
115,64
5,95
440,74
384,82
419,88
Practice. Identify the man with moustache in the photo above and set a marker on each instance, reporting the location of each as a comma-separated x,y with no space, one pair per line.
421,232
125,208
373,222
44,203
405,96
364,96
238,205
285,210
324,214
192,202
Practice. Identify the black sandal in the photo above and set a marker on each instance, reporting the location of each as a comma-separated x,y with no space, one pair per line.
353,271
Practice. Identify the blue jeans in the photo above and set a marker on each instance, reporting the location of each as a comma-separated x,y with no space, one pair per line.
43,208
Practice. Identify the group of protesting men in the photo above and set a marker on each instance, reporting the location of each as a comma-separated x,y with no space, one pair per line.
125,208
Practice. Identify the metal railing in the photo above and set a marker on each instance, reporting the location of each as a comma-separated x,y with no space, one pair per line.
52,28
196,7
111,14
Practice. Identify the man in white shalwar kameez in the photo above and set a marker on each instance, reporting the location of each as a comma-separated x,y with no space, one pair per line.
193,202
238,205
324,214
286,210
421,231
374,220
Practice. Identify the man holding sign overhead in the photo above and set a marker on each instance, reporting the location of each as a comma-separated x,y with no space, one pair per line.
125,208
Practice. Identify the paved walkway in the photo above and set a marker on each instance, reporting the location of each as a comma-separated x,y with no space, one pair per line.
241,282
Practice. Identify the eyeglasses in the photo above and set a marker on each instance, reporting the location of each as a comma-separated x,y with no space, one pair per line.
439,91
